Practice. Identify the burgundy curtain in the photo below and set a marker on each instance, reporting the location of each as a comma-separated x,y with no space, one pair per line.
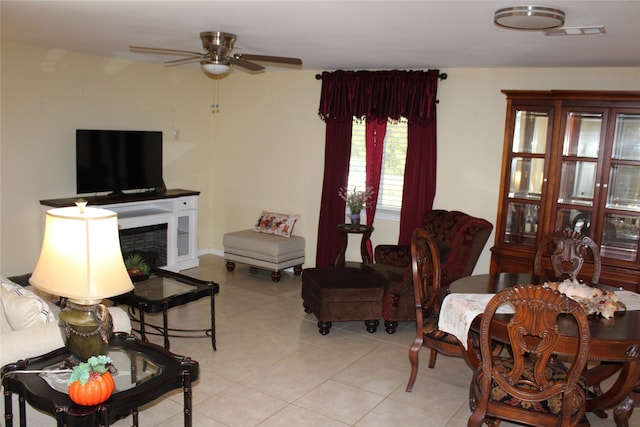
419,188
375,132
374,95
337,152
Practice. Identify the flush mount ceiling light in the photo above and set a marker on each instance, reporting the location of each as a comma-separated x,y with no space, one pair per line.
529,17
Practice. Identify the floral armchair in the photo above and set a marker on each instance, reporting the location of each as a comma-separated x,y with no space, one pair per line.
460,238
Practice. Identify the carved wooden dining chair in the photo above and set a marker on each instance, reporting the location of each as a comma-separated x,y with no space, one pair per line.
566,252
425,265
529,385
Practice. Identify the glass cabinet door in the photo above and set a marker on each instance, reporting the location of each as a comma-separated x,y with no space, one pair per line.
621,231
530,135
579,171
183,235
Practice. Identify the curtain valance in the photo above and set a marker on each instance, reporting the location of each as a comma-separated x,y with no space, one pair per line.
379,95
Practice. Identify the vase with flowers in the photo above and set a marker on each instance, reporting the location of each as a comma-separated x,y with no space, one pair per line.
356,200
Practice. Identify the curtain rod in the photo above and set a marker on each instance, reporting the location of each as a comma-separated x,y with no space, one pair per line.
441,76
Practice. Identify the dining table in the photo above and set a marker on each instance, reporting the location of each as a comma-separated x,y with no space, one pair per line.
614,348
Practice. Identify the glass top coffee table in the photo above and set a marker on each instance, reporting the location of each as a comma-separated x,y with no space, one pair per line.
163,290
145,372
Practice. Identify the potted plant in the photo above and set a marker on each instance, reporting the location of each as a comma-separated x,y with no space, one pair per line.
91,382
137,267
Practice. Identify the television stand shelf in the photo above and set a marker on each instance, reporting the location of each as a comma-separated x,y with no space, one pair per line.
178,209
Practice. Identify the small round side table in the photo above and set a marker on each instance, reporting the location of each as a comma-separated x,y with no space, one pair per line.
345,230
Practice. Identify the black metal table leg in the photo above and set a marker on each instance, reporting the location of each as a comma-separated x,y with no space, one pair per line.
23,411
143,335
8,407
213,322
186,386
165,325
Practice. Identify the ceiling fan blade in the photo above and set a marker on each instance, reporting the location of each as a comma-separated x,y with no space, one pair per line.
184,60
267,58
241,62
145,49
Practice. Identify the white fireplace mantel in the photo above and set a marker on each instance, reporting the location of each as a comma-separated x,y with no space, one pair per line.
176,208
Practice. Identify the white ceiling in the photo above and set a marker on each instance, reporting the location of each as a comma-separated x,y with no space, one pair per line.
329,35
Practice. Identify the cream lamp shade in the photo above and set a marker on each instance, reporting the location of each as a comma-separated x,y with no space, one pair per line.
81,257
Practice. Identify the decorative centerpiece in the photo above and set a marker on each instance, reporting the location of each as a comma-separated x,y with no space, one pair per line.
594,300
356,200
137,267
91,382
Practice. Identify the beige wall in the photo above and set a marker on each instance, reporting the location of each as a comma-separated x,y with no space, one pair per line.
47,95
263,150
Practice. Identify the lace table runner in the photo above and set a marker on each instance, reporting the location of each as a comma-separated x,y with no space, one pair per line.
459,310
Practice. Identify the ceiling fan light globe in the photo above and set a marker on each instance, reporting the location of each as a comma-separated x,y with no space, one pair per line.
215,69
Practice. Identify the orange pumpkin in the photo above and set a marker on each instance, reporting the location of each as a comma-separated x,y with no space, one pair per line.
96,390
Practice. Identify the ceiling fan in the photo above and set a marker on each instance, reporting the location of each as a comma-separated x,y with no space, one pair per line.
218,57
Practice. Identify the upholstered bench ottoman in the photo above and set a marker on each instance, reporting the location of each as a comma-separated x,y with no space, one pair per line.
342,294
264,250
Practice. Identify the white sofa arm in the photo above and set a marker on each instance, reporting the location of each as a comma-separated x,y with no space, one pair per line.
30,342
121,321
41,339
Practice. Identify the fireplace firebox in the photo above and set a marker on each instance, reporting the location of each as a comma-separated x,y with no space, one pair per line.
149,241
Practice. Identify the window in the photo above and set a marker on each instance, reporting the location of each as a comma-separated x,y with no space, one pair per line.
393,161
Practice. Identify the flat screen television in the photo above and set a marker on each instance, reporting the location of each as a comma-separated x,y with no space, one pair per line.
115,161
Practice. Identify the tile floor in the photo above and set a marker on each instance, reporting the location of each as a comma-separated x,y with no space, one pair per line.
273,368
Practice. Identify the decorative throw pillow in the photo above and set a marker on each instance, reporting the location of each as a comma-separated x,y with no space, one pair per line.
276,223
23,280
23,308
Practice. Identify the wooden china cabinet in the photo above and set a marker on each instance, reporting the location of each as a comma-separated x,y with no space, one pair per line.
571,159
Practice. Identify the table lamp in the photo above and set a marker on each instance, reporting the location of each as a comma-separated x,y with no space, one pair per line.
81,260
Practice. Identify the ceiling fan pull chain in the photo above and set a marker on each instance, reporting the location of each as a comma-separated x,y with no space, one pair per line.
215,107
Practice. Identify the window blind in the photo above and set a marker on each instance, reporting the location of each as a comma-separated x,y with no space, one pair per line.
393,162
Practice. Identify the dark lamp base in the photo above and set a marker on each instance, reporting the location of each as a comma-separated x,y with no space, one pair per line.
87,329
